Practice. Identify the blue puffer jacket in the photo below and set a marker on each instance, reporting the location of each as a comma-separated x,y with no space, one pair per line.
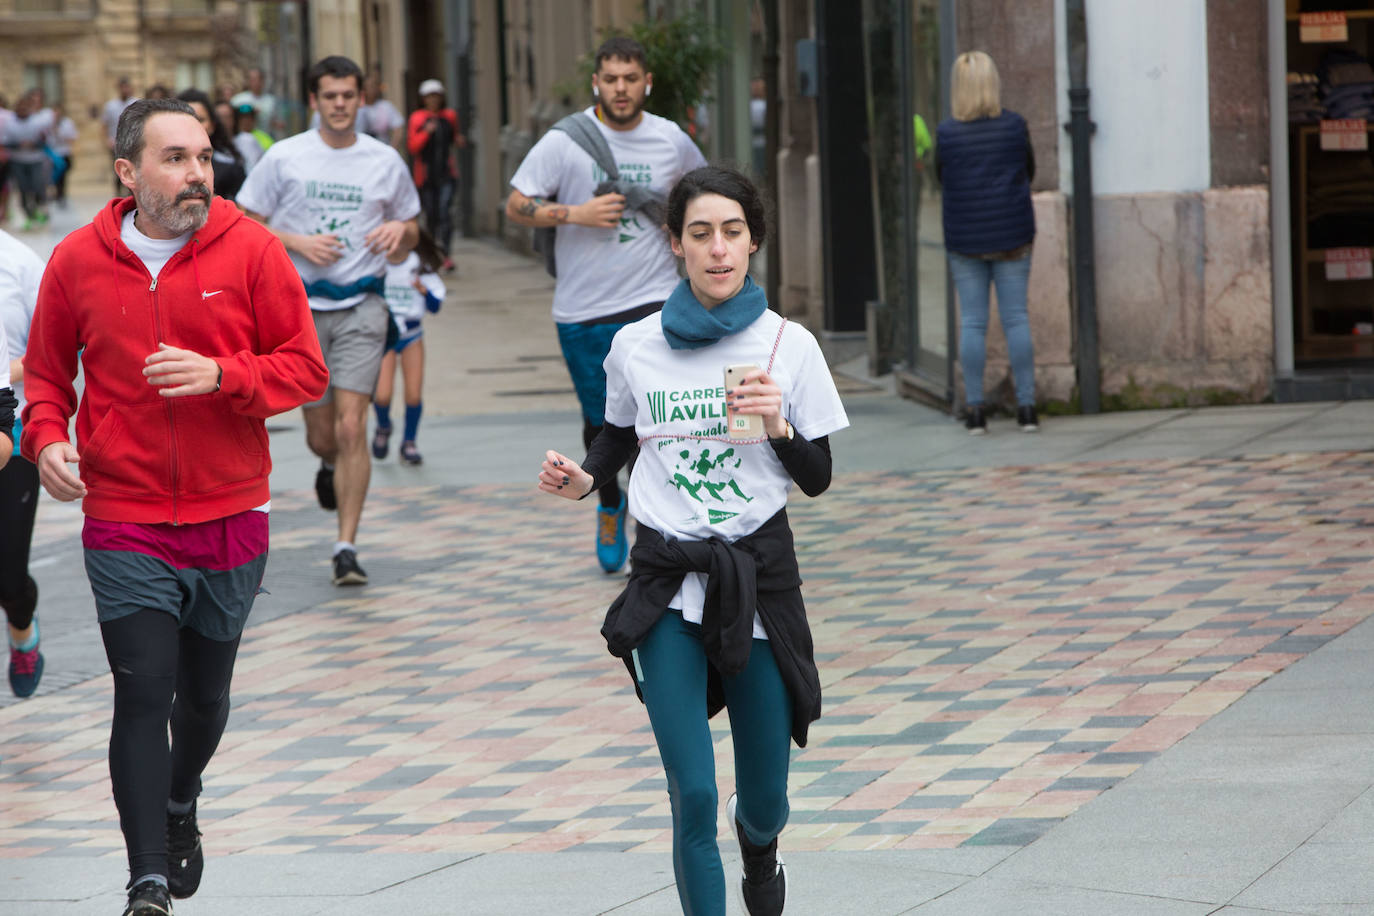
985,167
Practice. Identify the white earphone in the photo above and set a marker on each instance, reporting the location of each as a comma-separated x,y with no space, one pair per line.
595,91
649,89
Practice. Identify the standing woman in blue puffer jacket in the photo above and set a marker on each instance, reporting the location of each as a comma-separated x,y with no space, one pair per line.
985,163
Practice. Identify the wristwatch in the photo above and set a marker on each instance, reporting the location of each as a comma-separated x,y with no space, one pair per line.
788,438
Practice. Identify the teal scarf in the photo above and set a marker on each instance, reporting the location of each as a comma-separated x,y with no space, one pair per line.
689,325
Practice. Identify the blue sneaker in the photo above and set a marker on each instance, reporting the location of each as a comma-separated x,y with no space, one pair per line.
26,667
611,546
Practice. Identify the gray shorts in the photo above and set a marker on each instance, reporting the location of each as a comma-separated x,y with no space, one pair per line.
352,340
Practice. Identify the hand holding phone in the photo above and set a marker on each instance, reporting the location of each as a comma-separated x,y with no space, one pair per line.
741,426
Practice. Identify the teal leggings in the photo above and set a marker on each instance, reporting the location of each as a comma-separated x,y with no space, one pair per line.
671,667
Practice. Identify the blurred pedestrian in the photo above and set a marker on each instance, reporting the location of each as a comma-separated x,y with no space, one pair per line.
434,135
109,117
227,161
613,265
985,163
180,375
20,273
64,135
25,139
713,615
6,113
264,103
378,117
156,91
342,203
250,140
413,287
226,116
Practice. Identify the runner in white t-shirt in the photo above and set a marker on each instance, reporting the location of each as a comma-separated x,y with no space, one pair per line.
109,118
713,615
341,202
383,119
614,265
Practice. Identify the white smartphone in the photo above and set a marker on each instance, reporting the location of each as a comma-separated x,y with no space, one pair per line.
742,426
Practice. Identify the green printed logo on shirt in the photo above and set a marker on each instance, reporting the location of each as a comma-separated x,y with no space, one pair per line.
706,476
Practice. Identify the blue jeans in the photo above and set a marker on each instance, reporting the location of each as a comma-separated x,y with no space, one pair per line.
671,668
972,279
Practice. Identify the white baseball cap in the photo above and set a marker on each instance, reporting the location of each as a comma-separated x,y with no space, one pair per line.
431,87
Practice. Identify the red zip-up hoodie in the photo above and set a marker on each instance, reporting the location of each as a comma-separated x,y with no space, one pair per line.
231,294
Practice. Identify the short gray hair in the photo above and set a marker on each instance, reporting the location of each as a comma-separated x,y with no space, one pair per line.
129,133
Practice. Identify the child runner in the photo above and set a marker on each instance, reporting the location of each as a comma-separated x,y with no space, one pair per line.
413,287
713,616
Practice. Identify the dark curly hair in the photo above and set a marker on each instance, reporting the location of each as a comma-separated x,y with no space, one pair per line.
727,182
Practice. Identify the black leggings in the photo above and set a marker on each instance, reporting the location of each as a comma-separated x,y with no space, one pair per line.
18,504
153,660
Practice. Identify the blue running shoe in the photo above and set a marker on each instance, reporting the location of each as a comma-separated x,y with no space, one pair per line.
26,667
611,546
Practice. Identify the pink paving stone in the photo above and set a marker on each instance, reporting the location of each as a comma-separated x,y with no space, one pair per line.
1159,734
1077,797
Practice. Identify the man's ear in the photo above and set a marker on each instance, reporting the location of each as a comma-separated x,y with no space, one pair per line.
313,105
125,170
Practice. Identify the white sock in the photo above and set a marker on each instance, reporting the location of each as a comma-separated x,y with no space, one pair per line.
343,545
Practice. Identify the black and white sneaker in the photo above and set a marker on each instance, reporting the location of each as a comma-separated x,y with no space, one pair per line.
185,858
763,887
324,488
1027,420
974,420
148,898
346,569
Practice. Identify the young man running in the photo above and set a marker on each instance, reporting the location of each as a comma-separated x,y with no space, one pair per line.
614,263
341,202
191,329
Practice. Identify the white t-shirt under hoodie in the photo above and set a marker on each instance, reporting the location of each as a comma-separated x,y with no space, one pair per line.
605,271
691,481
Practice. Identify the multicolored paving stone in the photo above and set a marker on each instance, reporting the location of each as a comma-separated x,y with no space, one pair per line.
996,647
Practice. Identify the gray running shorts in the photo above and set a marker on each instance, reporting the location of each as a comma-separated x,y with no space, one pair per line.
353,340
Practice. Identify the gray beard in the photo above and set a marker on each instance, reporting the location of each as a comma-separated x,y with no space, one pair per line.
170,215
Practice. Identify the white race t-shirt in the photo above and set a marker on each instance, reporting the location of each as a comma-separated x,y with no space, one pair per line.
402,298
109,115
605,271
382,118
21,270
304,185
691,481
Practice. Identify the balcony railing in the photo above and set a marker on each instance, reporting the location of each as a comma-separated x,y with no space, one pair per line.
47,9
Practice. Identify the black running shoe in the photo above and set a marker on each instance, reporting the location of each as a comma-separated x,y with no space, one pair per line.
185,858
346,569
1027,420
148,898
975,421
324,488
381,442
764,883
410,454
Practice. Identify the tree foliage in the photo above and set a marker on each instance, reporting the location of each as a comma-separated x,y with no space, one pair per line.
682,55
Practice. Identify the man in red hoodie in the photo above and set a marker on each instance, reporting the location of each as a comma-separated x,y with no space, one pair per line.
192,327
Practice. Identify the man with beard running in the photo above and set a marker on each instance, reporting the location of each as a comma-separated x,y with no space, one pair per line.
192,328
614,264
341,202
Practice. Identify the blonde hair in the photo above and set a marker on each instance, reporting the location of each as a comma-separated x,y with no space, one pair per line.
975,89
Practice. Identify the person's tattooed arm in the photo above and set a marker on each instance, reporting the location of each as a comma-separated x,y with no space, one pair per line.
535,211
